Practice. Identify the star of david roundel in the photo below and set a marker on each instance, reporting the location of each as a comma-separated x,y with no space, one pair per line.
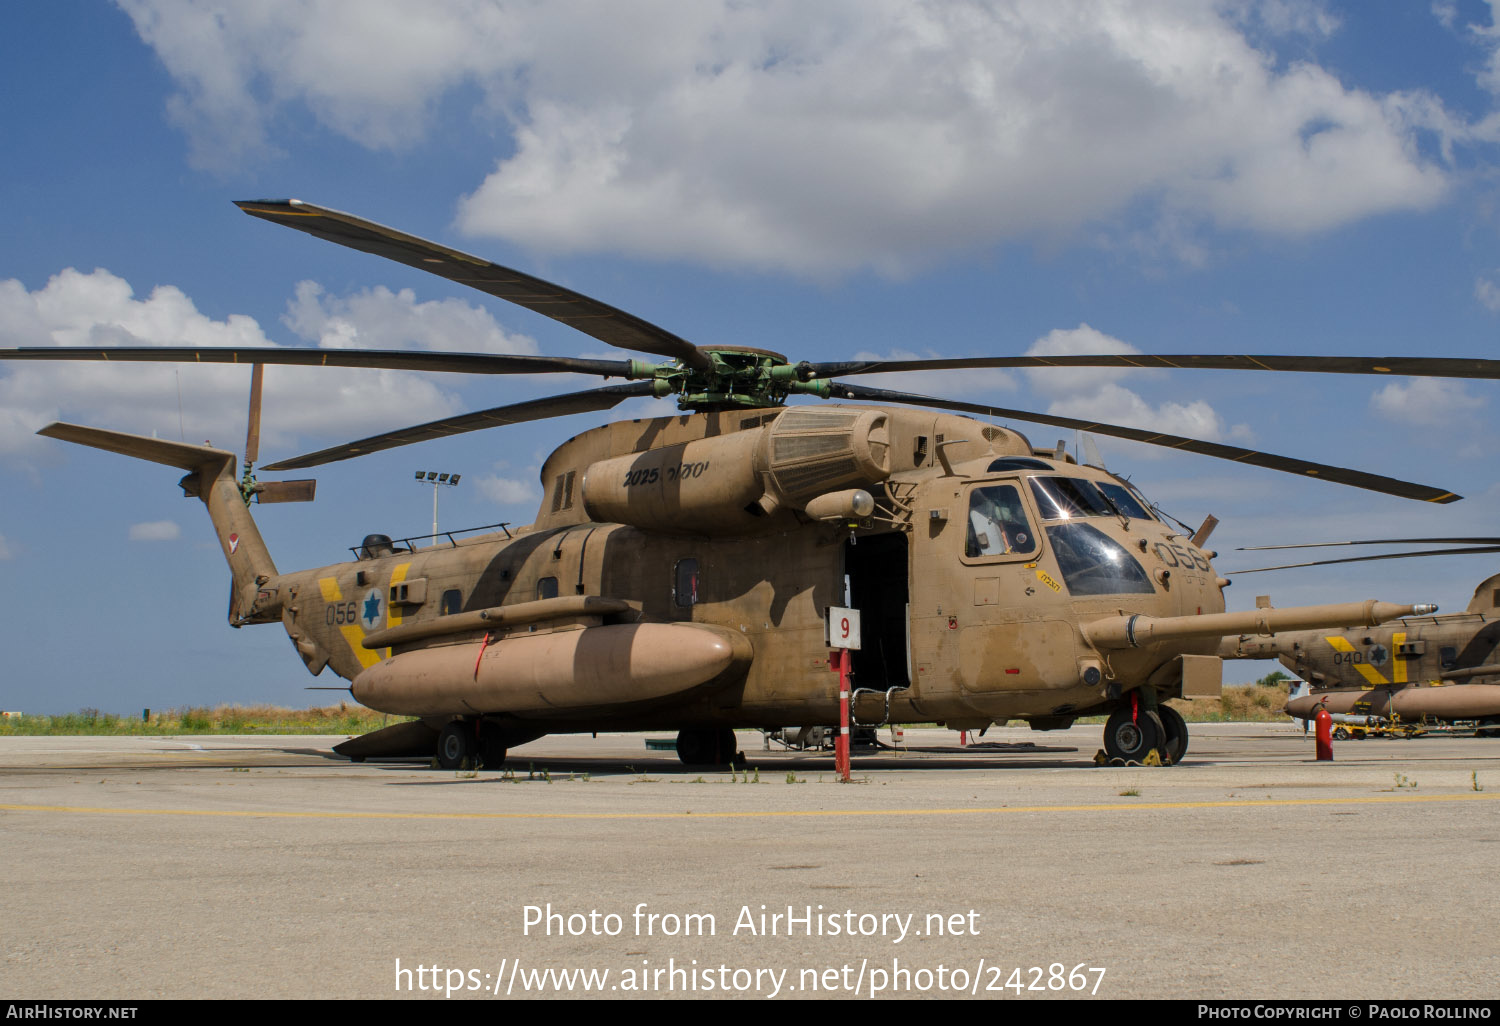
369,610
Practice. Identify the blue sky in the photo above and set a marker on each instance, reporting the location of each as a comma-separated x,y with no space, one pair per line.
824,180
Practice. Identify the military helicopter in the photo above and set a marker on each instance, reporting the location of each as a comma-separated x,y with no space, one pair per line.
1416,670
679,570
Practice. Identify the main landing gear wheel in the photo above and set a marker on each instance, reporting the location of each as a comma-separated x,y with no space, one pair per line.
491,746
707,746
457,745
1175,738
1132,739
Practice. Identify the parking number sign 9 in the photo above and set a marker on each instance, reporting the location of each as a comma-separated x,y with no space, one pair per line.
842,627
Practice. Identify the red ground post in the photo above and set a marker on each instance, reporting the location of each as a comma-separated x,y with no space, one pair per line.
1325,735
840,661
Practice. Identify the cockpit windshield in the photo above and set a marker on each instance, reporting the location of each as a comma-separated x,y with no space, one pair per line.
1129,502
1071,498
1093,564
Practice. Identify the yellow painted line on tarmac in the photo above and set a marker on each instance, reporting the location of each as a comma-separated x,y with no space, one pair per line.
1405,799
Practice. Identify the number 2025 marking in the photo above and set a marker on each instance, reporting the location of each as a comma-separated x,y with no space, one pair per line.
674,472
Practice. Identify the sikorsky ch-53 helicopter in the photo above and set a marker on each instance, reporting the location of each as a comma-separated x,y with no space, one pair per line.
679,568
1412,671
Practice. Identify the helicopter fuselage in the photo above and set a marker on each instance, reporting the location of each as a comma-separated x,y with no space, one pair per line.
961,626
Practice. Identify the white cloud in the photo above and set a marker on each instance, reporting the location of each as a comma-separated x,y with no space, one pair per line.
1425,402
505,491
1096,394
155,530
97,309
821,138
1487,291
381,319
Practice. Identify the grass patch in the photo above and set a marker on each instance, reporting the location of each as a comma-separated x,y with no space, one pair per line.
1252,703
344,718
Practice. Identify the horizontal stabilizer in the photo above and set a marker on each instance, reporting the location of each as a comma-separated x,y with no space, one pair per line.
155,450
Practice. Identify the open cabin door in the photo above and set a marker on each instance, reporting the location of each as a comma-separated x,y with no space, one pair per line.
876,569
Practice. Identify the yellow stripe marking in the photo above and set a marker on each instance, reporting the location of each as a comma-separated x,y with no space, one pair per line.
1393,799
1366,671
353,634
1398,664
393,618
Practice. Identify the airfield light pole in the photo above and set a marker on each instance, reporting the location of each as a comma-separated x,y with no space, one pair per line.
437,480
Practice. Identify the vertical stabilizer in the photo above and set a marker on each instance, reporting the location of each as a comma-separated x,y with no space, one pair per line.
211,477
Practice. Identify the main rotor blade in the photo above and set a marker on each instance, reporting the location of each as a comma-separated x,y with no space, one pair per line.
1365,559
1412,366
516,413
376,359
590,316
1375,541
1286,464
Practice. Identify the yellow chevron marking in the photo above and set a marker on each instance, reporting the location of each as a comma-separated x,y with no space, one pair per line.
353,634
1368,672
393,618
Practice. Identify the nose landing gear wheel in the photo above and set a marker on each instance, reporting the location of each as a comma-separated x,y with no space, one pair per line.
1132,739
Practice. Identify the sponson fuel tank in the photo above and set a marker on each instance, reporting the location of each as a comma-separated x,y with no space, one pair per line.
1445,701
543,673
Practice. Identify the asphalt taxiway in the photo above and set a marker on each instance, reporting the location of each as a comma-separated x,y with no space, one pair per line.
142,867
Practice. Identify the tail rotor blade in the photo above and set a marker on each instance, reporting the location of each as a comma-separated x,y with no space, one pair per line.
286,491
252,429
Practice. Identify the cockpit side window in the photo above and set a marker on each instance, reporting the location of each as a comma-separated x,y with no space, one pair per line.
997,523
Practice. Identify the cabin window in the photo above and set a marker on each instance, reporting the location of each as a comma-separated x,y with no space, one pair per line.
546,588
685,583
997,523
1005,463
1093,564
453,602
